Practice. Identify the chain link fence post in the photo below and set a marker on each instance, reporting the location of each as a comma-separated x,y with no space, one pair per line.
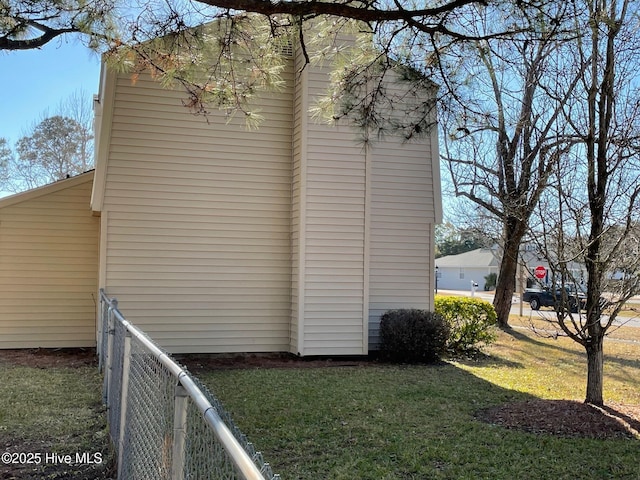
109,354
163,423
181,405
124,395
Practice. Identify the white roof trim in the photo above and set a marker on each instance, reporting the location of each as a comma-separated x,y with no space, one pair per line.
46,189
102,128
435,170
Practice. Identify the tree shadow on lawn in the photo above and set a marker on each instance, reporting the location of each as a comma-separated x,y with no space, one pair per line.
484,360
578,354
442,383
315,420
36,452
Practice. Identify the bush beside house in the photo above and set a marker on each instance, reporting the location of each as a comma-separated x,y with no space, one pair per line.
470,320
457,325
412,336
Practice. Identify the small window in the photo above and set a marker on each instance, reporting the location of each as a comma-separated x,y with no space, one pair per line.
462,274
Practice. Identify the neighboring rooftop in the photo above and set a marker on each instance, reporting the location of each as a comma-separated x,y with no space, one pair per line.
482,257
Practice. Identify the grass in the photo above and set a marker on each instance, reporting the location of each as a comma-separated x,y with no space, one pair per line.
52,410
366,422
417,422
549,324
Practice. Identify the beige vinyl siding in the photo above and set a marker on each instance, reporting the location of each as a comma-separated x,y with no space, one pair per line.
198,224
49,267
292,237
298,206
402,218
404,206
331,285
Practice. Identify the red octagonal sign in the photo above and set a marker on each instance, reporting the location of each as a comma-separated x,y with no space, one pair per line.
540,272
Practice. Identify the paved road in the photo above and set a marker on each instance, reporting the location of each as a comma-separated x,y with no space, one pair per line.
526,311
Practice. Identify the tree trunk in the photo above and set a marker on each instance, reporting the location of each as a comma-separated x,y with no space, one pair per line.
595,375
505,286
506,283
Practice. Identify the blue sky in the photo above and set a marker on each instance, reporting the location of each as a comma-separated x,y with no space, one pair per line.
33,81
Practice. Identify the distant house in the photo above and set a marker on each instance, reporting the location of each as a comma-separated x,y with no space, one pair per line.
457,272
291,238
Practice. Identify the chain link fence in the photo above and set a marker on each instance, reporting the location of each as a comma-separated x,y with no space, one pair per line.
164,423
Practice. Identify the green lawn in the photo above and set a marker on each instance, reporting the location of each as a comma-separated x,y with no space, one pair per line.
51,404
417,422
365,422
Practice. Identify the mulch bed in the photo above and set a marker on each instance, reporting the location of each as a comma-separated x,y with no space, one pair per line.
205,362
50,357
567,418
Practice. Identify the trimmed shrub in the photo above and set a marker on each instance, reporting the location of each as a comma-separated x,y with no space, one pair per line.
490,281
412,336
470,320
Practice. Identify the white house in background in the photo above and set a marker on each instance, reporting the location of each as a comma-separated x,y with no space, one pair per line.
290,238
457,272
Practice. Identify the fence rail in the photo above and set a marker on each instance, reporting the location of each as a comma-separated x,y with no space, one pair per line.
163,422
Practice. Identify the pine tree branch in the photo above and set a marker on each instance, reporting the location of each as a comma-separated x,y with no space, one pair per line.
363,12
48,34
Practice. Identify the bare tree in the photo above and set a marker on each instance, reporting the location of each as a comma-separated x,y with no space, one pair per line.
51,152
500,129
78,107
55,147
594,208
6,158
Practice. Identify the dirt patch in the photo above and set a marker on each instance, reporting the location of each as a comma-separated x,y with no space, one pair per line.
196,363
567,418
50,357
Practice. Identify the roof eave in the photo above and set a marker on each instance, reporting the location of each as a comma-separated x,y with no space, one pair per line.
102,129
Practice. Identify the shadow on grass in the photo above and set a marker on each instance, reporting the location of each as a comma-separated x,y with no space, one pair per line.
632,423
577,354
481,359
377,420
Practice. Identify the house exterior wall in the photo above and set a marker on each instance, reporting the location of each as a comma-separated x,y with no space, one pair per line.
331,172
293,237
405,206
363,231
49,267
402,219
298,207
196,216
460,278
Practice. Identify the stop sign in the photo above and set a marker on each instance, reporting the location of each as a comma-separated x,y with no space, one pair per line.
540,272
